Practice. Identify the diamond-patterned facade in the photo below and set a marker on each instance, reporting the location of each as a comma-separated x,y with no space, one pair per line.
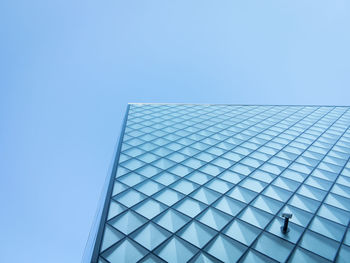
209,183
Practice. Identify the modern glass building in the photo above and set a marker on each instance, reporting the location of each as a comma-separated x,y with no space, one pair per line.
215,183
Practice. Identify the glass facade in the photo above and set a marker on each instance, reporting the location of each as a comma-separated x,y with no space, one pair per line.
209,183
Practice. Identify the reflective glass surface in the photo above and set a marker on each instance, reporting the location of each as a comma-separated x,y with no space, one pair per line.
209,183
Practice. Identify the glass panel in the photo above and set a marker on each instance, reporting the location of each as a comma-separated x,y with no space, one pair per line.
125,251
225,249
150,236
274,247
176,251
241,231
214,218
197,234
320,245
171,220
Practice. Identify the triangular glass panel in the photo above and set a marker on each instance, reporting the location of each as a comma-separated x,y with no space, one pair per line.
267,204
255,257
223,163
211,169
163,163
161,151
242,194
206,157
198,177
273,247
118,188
231,177
344,254
338,201
150,236
190,207
193,163
131,179
180,170
149,208
129,197
286,183
214,218
176,251
318,182
335,214
121,171
204,258
219,185
148,157
171,220
225,249
327,228
168,196
229,205
277,193
262,176
197,234
293,175
320,245
303,256
325,175
344,180
149,187
241,231
133,151
184,186
242,169
132,164
205,195
255,217
251,162
125,251
341,190
148,171
312,192
304,203
110,237
253,185
127,222
165,178
115,209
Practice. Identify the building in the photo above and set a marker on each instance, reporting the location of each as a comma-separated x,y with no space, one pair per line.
210,183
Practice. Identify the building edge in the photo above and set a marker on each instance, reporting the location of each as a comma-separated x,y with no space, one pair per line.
93,244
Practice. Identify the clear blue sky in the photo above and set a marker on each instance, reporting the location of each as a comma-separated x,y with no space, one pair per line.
68,68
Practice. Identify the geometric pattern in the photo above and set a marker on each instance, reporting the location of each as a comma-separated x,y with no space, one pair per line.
209,183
